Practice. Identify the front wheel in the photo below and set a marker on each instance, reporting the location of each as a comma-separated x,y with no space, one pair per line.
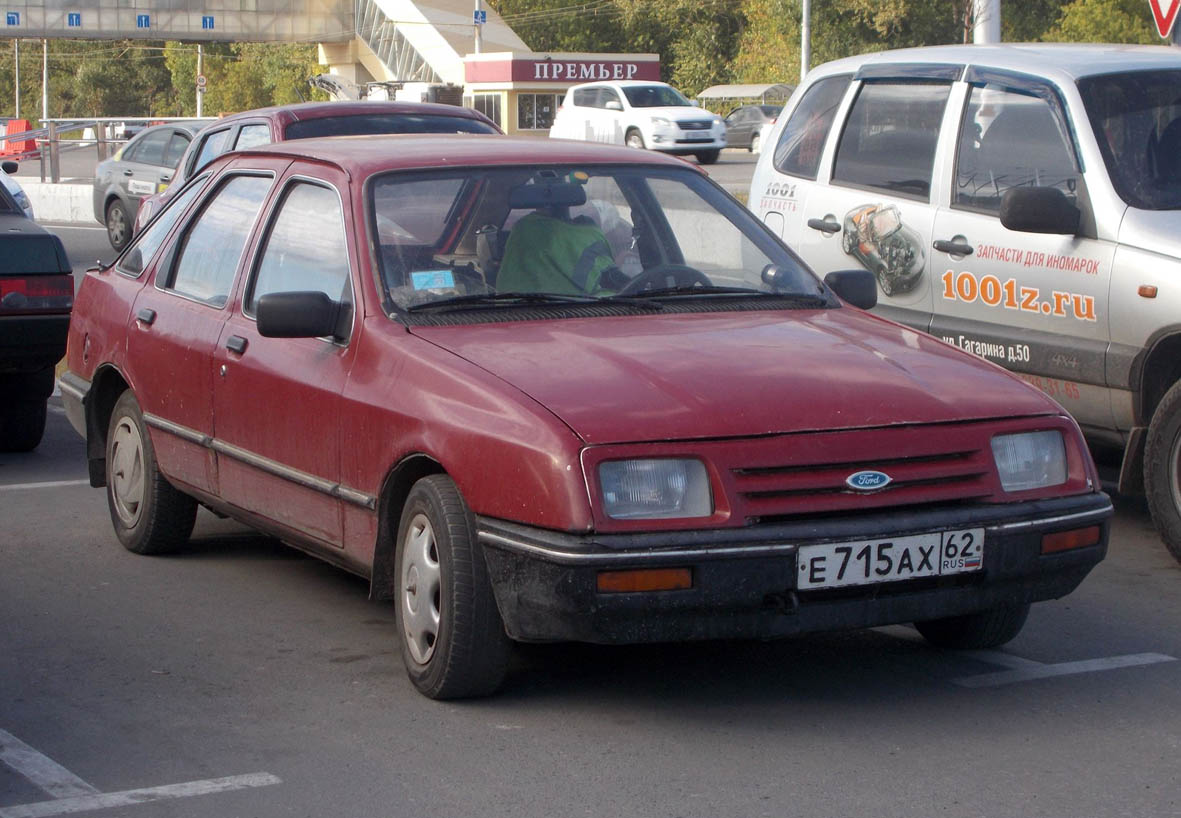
987,629
1162,469
634,139
452,636
149,514
884,281
708,157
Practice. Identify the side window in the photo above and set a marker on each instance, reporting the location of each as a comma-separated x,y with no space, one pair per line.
212,147
306,248
212,246
133,261
804,135
584,97
177,144
889,140
1010,140
608,95
251,135
150,149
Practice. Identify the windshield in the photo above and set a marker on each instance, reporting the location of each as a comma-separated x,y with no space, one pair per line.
362,124
1137,121
571,232
653,96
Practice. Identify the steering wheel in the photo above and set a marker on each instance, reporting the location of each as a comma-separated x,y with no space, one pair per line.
656,277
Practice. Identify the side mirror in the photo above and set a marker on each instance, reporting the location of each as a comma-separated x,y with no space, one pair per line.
297,315
10,166
1039,210
613,105
857,287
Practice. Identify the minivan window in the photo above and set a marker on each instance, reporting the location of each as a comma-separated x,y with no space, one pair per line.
889,140
1136,117
654,96
804,135
1009,140
383,124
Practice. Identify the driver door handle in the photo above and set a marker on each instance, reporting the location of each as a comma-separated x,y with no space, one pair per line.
952,248
826,226
236,344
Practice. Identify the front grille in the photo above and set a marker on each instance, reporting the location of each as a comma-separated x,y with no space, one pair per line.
694,124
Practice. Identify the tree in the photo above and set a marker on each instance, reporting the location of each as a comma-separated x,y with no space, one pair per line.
1104,21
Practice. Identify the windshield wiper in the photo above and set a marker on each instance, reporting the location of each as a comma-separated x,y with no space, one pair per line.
695,289
484,300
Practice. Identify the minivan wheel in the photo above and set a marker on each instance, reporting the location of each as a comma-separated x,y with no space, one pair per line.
118,225
986,629
452,637
150,516
634,138
1162,469
708,157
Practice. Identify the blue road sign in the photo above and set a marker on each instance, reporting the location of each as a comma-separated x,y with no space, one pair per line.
143,21
74,19
480,17
14,18
207,22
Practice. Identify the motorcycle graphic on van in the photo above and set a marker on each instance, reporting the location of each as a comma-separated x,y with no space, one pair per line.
875,235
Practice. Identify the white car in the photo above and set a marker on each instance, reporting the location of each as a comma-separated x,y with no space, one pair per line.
1022,202
14,189
642,115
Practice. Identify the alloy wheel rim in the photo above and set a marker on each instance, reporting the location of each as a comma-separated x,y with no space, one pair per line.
127,472
116,226
421,589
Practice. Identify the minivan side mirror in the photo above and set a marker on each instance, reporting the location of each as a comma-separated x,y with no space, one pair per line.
857,287
297,315
10,166
613,105
1039,210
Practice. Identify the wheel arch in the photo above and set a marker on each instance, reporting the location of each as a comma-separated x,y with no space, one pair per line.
1154,371
390,502
105,388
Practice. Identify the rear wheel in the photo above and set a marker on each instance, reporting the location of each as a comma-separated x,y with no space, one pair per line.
118,225
452,637
1162,469
150,515
22,424
708,157
987,629
634,138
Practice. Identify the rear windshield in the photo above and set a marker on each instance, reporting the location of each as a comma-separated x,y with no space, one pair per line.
654,96
1136,118
359,124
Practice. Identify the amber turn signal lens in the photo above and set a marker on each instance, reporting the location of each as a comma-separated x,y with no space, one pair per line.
1147,291
1066,540
654,579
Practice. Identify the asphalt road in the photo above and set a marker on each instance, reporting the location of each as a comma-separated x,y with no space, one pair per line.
241,678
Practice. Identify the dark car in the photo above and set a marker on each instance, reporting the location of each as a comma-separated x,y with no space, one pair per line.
312,119
747,125
141,168
875,235
36,293
546,390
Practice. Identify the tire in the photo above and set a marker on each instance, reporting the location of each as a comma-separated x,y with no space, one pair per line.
452,637
847,242
708,157
987,629
22,425
149,515
634,139
1162,469
884,282
754,144
118,225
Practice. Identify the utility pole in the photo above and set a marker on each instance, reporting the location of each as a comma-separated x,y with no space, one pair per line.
200,74
16,70
805,38
987,21
45,79
476,22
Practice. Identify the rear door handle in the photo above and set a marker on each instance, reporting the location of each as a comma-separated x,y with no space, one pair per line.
146,316
952,248
236,344
826,226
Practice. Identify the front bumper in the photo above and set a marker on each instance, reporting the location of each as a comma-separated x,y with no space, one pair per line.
744,580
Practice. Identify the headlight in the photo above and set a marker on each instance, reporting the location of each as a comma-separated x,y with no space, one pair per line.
655,489
660,122
1030,460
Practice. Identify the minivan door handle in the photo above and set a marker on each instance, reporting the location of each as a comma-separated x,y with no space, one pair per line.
826,226
952,248
236,344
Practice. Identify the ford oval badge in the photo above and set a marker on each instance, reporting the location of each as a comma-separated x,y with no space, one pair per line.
867,480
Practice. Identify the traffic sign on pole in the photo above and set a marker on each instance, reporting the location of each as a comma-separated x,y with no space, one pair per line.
1164,13
201,81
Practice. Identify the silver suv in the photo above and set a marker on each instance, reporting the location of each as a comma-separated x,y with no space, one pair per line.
1040,187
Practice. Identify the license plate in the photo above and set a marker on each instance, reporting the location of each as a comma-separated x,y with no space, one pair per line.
698,137
866,562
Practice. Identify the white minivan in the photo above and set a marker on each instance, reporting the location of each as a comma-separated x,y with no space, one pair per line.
642,115
1022,202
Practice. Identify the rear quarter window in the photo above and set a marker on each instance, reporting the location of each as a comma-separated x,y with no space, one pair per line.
889,139
802,141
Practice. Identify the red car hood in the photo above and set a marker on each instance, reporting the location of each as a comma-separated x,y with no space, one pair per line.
712,375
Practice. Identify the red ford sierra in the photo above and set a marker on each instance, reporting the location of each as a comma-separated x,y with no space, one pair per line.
546,391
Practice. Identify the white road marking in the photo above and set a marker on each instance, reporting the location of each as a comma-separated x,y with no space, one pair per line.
86,803
1041,671
52,484
41,770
